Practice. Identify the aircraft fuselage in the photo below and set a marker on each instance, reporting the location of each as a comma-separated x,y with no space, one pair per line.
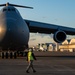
14,32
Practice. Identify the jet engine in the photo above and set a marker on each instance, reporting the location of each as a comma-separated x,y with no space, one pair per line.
59,36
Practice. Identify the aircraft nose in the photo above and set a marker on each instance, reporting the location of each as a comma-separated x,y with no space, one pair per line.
7,28
11,27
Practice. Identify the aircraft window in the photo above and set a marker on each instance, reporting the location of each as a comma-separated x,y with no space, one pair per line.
13,9
9,9
4,9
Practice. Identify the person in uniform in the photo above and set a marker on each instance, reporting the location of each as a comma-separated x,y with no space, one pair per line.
30,58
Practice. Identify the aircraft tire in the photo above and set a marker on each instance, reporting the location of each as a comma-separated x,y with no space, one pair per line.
2,55
15,56
6,55
11,55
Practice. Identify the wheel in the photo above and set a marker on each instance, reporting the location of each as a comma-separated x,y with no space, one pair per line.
2,55
15,56
11,55
6,55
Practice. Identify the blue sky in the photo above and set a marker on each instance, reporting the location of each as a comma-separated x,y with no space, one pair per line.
60,12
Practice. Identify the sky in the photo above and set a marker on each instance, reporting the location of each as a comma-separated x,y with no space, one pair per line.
59,12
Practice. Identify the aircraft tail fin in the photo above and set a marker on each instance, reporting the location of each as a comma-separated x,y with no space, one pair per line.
7,4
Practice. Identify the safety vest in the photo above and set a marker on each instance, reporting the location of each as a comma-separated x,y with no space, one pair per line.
30,57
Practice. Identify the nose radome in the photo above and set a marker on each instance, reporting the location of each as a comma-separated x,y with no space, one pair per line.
11,24
6,28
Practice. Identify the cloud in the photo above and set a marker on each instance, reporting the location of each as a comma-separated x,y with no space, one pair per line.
32,35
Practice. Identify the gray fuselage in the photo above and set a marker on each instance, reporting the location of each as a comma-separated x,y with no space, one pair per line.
14,32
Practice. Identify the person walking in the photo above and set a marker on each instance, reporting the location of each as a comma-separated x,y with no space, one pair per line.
30,58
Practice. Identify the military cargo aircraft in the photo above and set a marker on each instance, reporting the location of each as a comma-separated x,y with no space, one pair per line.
14,30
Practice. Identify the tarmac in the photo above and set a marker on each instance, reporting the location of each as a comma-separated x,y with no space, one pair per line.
43,66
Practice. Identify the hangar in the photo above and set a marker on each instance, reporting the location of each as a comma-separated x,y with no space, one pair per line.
68,45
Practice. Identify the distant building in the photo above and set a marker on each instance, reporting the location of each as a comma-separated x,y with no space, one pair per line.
47,46
68,45
51,46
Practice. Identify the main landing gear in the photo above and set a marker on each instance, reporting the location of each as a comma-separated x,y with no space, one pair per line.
8,55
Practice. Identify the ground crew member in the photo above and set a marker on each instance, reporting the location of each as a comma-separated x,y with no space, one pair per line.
30,59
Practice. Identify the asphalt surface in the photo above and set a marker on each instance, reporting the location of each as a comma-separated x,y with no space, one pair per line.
43,66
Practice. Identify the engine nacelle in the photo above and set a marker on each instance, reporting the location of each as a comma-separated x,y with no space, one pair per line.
59,36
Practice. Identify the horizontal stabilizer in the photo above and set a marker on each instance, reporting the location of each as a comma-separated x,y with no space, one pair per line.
8,4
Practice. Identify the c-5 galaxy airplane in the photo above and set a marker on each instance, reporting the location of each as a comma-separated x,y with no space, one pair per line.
14,30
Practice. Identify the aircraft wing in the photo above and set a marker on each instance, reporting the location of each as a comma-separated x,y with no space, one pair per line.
40,27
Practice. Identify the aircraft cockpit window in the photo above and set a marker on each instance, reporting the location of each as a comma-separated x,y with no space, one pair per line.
8,9
13,9
4,9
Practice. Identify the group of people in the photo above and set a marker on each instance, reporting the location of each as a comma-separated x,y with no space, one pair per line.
30,58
